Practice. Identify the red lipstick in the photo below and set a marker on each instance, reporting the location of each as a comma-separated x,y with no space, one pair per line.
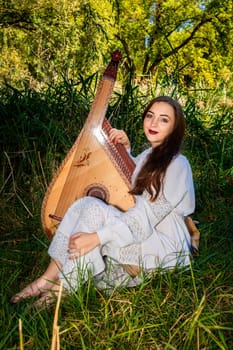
152,132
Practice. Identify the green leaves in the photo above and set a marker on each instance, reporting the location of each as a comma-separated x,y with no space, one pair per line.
187,41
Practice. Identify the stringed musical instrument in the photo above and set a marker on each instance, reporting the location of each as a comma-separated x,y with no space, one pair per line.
93,166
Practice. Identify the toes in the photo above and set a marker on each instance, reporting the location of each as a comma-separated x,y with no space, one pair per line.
34,289
15,299
19,296
31,290
45,301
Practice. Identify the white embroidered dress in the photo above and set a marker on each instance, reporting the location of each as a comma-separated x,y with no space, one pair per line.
151,234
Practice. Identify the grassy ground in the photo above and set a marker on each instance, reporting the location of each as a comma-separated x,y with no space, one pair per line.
189,309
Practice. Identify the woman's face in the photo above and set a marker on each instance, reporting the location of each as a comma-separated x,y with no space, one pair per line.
159,123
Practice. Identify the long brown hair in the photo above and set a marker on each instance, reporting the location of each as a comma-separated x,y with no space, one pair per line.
153,171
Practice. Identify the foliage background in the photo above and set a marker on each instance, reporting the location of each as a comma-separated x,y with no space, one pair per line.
186,42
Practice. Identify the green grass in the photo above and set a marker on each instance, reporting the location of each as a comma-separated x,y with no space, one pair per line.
182,309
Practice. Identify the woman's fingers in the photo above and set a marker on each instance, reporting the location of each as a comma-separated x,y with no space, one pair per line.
75,251
114,135
73,240
81,243
75,255
119,136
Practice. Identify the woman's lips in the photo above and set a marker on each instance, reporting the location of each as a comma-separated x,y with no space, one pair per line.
152,132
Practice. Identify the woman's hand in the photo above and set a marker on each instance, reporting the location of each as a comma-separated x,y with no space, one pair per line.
119,136
81,243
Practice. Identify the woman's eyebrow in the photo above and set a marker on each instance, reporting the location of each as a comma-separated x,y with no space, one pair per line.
150,112
164,115
161,114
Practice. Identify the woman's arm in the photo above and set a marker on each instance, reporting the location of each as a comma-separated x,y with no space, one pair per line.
177,192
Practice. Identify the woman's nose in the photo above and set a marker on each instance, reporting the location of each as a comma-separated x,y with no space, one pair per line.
154,121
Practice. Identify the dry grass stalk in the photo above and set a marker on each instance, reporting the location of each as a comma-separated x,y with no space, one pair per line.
55,338
21,335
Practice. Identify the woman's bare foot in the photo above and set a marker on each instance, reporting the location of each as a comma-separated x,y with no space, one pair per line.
50,296
36,288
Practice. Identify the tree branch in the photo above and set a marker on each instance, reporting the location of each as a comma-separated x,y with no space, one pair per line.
177,48
129,64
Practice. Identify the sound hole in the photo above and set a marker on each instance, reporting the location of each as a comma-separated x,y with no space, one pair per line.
98,191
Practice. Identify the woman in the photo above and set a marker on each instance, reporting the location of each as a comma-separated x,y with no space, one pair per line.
115,246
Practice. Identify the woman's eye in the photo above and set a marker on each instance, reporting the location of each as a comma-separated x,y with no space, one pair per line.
164,120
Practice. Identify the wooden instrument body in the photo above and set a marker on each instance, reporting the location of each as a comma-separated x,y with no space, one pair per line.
93,167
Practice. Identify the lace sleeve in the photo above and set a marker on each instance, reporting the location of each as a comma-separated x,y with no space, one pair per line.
130,254
159,209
